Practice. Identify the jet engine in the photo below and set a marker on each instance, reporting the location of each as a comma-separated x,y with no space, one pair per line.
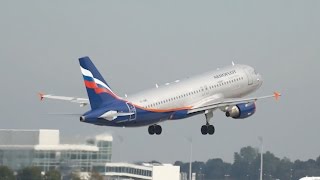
241,111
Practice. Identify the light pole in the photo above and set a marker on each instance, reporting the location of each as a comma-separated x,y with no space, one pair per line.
261,156
190,163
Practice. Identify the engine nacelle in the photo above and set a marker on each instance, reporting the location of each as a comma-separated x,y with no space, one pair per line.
241,111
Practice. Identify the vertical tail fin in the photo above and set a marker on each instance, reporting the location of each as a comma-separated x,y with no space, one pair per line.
98,90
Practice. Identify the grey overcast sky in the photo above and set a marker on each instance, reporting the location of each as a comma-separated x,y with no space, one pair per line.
136,44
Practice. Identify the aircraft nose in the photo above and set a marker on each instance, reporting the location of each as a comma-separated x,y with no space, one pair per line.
259,79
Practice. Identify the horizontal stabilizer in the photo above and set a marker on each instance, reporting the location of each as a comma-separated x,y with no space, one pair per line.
81,101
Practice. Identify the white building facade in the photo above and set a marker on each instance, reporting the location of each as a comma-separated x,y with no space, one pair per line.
42,148
144,171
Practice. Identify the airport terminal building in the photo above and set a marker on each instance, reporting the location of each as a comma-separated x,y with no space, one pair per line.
142,171
42,148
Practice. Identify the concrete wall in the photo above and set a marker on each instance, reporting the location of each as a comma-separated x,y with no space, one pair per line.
29,137
166,172
49,137
19,137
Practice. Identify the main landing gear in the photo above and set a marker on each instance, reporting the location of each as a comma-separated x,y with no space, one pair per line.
155,129
208,129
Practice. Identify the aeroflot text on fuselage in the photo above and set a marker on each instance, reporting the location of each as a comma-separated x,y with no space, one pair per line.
225,74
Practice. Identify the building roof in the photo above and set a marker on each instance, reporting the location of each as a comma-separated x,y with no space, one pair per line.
104,137
42,139
128,165
66,147
310,178
61,147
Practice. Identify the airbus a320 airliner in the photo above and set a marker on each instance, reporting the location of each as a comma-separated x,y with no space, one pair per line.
222,89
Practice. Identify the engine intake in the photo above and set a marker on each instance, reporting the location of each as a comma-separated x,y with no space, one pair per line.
241,111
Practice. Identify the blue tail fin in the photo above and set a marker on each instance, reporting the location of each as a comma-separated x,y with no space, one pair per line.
98,90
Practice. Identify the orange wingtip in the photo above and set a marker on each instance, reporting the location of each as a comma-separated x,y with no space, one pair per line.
41,96
277,95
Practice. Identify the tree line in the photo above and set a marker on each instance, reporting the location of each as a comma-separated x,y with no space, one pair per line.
246,166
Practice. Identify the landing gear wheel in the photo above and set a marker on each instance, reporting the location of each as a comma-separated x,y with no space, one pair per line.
155,129
211,129
158,129
204,130
151,130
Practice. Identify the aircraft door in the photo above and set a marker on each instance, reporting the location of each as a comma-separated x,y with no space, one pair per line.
132,109
249,76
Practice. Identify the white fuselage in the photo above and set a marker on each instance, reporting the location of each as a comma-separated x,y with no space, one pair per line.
229,82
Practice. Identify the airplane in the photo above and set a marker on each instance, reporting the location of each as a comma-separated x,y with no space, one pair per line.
222,89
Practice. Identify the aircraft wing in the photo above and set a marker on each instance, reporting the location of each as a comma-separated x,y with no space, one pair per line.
82,101
230,102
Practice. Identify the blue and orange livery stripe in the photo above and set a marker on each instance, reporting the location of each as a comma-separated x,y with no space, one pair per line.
164,110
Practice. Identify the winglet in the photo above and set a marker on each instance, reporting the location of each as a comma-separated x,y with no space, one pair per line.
41,95
277,95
